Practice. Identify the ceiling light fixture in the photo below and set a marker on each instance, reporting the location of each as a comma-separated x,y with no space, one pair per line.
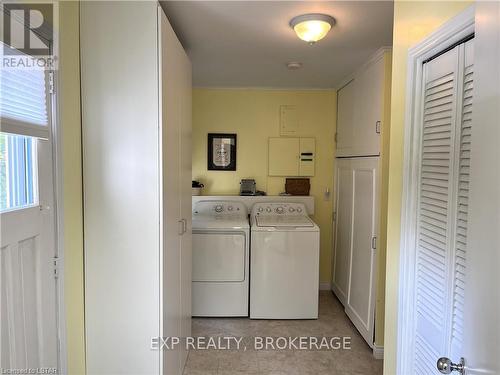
312,27
294,65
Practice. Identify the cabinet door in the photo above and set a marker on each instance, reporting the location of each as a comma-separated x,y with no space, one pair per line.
307,156
175,117
367,114
345,109
284,156
343,226
360,304
185,91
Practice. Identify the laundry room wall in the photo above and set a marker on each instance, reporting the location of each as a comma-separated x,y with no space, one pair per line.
254,115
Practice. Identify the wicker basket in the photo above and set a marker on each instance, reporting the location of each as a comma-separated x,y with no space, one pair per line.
297,186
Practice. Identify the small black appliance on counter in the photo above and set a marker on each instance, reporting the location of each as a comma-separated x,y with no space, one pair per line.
248,187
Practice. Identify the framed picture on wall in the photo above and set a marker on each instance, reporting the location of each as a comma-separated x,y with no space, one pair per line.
221,152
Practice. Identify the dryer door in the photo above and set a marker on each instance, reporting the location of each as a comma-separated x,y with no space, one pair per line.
219,256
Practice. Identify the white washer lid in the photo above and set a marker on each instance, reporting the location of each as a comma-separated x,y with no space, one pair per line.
284,221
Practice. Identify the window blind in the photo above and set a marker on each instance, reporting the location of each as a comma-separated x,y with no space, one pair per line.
23,100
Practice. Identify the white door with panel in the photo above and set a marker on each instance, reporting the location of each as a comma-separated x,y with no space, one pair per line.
175,93
29,338
355,248
28,311
436,239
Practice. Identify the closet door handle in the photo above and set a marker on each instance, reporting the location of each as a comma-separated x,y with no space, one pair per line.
377,127
182,227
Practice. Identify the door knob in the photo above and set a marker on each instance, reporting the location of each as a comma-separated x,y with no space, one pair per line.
446,366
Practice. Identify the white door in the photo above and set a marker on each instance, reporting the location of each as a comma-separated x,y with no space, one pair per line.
343,228
360,303
172,224
481,340
28,301
27,280
186,193
175,76
439,236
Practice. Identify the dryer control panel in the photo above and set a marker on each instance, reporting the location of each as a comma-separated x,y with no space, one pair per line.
264,209
226,209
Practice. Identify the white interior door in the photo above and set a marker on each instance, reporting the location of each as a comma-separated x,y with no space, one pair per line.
172,224
482,293
28,312
186,176
360,304
176,165
436,241
343,228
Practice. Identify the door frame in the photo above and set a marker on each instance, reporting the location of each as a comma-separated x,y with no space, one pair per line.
58,186
444,37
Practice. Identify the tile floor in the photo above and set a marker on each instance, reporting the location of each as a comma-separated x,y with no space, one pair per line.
332,322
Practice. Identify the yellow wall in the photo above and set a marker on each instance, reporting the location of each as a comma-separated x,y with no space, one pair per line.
254,115
69,110
383,188
413,21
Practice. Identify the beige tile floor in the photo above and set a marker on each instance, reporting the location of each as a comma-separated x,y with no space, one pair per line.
332,322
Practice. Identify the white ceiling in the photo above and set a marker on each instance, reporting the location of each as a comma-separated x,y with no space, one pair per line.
248,43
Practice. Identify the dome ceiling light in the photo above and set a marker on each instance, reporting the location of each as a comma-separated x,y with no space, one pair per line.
294,65
312,27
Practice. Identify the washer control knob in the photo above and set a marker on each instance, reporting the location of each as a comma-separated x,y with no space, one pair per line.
229,208
291,209
280,210
299,210
219,208
261,209
268,209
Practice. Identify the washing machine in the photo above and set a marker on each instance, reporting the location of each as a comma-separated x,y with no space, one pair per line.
221,238
284,279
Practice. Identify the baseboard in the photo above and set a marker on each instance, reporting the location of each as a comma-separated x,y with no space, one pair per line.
325,286
378,352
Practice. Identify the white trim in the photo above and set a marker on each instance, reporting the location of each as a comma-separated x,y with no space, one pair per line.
58,186
57,160
378,352
325,285
448,34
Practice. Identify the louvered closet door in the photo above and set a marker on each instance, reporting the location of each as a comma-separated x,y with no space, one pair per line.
442,207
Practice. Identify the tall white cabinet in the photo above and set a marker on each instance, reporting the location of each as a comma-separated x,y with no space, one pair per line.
136,110
361,110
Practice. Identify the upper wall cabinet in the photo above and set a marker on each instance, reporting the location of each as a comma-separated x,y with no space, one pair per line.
360,106
291,156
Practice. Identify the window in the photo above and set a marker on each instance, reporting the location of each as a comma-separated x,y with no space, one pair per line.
18,172
24,118
24,101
